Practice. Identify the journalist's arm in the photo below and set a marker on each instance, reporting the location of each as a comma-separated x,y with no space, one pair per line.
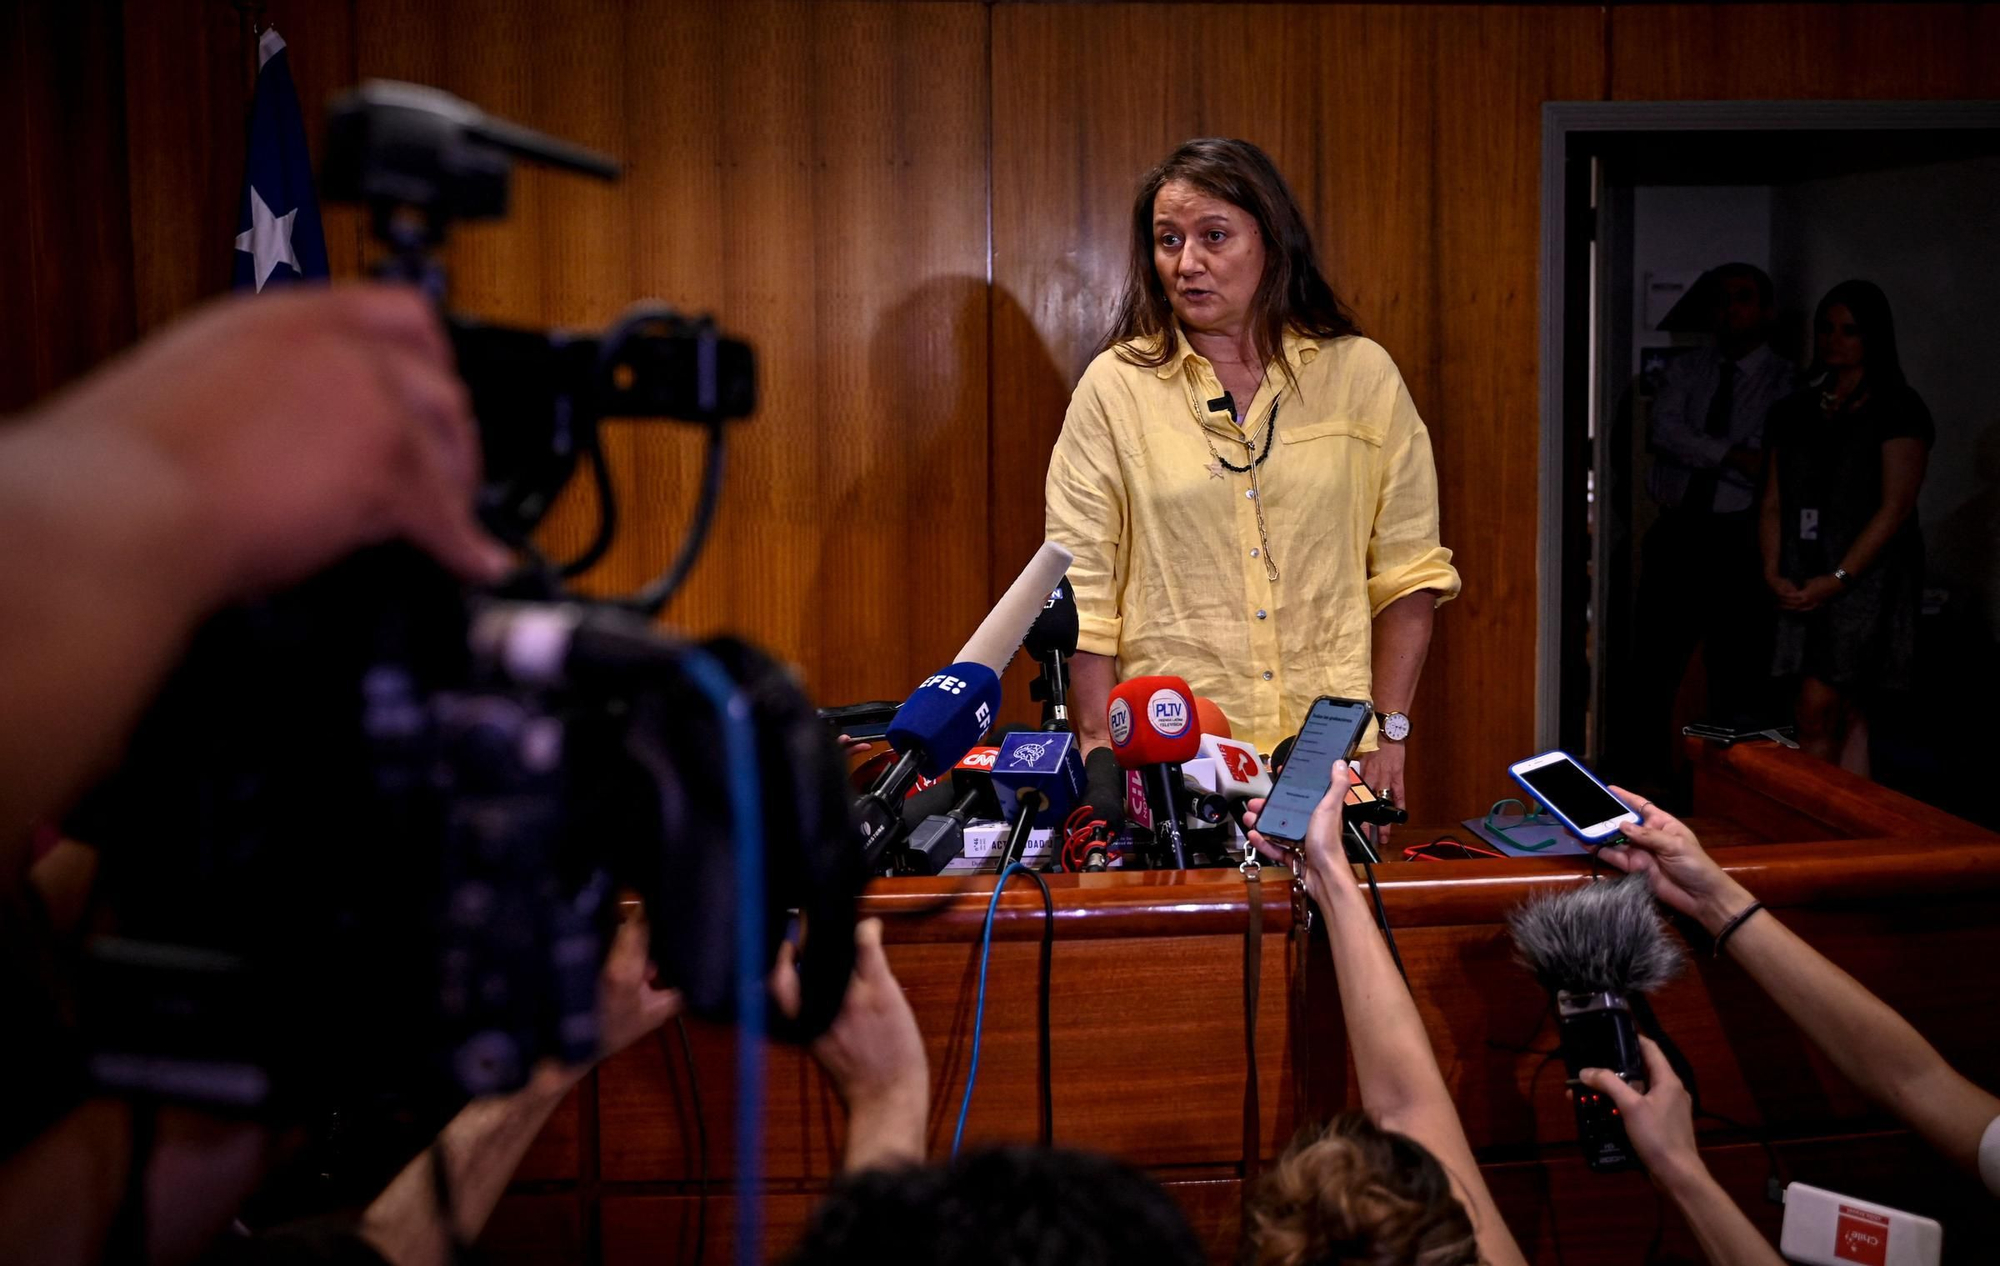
1401,1087
1869,1043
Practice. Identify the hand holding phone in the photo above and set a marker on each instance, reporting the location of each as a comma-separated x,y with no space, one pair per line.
1332,728
1565,788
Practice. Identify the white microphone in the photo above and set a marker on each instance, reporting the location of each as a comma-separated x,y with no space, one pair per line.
1001,633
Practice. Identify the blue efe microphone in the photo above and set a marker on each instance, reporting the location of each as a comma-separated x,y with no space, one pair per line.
1038,776
937,725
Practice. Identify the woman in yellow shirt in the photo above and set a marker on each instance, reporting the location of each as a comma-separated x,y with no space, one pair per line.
1243,478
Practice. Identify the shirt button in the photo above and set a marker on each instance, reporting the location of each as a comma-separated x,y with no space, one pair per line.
1253,551
1267,674
1260,615
1250,493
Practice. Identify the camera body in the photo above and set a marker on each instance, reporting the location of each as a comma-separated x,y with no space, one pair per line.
370,839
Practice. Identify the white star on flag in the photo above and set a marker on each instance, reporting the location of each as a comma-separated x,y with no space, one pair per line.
268,240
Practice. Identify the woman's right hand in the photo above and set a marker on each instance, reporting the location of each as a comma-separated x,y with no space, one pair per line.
1677,869
1782,589
1659,1122
1328,875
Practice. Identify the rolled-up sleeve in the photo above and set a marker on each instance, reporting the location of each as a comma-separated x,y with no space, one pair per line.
1404,555
1086,513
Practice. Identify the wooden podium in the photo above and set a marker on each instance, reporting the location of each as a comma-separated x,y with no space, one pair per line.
1148,1061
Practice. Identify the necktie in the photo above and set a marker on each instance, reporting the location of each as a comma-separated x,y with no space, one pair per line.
1701,484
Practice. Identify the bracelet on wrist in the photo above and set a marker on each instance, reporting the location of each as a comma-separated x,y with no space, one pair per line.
1844,576
1729,929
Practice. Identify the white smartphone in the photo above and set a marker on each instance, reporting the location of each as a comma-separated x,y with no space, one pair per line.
1565,788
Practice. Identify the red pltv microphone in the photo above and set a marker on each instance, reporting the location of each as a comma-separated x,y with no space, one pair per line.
1154,729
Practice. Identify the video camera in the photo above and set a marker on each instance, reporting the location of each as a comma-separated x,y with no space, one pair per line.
369,837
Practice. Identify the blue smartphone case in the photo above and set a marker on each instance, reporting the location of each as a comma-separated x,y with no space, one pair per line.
1575,828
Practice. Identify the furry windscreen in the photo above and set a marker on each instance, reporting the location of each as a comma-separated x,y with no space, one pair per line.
1597,937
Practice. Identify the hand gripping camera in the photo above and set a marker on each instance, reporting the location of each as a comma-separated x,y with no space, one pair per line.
369,837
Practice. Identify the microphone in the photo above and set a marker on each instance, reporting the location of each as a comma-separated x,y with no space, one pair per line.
933,730
1051,640
1038,777
1598,948
950,711
1152,722
1210,719
1240,776
1000,634
940,837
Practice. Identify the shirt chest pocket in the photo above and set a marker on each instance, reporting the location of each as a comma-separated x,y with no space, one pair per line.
1368,431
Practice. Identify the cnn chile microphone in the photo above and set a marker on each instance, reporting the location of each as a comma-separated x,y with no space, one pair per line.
1052,640
939,838
1039,778
1153,730
1598,948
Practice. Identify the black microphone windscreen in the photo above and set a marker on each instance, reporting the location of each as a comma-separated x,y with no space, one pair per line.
1603,937
1104,787
926,803
1054,630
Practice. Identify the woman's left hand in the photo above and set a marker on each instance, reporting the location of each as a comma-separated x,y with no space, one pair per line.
1812,594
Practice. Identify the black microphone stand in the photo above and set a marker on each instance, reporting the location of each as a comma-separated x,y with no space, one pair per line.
1051,689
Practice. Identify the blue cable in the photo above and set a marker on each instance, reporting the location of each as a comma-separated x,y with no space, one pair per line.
746,817
979,1008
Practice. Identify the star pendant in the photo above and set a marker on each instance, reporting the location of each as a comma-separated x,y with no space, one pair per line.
1215,469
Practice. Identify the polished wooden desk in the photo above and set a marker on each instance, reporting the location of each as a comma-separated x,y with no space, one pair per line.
1147,1047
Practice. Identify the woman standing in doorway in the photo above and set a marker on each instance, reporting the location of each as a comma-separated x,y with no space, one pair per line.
1842,551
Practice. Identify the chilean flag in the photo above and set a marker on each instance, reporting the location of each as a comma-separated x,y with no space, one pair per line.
278,237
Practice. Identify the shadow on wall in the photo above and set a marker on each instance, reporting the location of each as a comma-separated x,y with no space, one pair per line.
913,516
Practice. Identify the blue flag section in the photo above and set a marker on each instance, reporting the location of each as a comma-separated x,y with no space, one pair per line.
278,237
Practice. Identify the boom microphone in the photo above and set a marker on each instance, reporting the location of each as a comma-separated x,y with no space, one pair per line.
1152,722
1596,948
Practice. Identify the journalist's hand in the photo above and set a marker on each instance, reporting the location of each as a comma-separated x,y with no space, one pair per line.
628,1006
873,1052
1659,1122
1329,878
1676,868
282,431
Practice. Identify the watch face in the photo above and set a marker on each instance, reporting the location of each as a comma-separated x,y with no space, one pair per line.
1395,727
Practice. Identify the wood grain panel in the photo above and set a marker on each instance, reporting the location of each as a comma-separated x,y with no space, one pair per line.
1411,135
1757,52
1158,1018
65,248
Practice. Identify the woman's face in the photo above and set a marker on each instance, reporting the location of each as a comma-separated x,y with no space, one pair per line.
1838,339
1210,257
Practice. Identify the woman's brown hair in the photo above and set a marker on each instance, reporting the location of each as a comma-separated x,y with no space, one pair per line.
1293,293
1356,1193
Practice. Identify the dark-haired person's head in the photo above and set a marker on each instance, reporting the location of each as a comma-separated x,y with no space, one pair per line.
1219,245
1744,303
1010,1206
1852,329
1355,1193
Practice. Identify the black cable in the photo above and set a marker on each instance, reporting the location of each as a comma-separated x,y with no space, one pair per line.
607,511
701,1141
1048,956
650,600
1381,914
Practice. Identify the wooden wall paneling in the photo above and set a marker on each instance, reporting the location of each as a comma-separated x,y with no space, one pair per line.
644,1230
1149,1072
1411,133
1761,52
65,244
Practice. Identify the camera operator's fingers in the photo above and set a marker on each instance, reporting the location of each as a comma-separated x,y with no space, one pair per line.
435,510
784,982
395,314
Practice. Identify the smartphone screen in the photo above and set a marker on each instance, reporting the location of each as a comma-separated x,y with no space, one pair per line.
1564,786
1332,728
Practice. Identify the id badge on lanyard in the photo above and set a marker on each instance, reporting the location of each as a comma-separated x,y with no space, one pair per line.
1808,524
